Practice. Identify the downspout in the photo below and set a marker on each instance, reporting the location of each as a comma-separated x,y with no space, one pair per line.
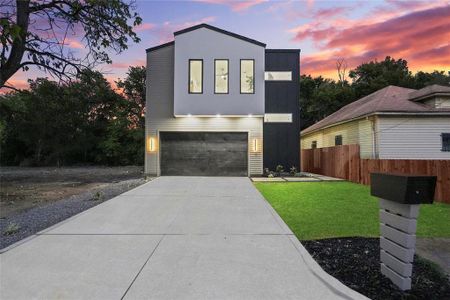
374,138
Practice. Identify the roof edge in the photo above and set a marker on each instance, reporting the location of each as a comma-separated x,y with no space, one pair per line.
232,34
430,95
379,113
284,50
160,46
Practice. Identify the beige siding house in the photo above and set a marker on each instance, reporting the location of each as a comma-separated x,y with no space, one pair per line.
392,123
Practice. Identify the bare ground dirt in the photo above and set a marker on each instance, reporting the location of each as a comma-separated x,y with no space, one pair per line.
25,188
32,199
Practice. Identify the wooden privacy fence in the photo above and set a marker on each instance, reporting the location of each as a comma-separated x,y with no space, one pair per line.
344,162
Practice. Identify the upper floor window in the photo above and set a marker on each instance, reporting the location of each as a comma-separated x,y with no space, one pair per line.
195,76
278,76
338,140
445,141
313,144
247,76
221,76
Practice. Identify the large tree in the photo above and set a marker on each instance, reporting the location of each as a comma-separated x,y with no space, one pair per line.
40,32
374,75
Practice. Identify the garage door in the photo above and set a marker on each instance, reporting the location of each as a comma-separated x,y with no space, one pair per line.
203,153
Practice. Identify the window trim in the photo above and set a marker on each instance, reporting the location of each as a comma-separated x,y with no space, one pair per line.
189,76
445,135
336,137
277,80
228,76
240,76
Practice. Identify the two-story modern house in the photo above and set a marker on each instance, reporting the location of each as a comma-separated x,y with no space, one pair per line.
220,104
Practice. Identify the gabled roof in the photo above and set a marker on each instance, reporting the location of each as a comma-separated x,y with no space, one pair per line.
192,28
392,99
235,35
160,46
429,91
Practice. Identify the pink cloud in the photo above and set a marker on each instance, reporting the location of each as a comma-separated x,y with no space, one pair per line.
73,43
165,31
420,36
126,65
235,5
144,27
15,82
330,12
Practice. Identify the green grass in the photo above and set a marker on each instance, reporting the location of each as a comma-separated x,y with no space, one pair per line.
317,210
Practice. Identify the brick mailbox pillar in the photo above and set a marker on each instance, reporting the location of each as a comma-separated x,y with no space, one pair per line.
400,197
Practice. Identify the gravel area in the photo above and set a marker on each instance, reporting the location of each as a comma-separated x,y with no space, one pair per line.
356,263
36,219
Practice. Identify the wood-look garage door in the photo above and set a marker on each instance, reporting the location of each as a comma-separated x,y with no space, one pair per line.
204,153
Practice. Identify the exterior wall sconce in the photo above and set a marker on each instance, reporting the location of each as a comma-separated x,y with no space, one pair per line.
151,144
254,147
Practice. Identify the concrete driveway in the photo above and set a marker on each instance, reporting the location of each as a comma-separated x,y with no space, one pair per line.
172,238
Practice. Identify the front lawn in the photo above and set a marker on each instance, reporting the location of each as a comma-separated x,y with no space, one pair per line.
318,210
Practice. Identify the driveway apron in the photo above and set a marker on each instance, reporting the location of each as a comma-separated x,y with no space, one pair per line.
171,238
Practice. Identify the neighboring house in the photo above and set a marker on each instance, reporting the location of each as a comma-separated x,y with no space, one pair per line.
219,103
392,123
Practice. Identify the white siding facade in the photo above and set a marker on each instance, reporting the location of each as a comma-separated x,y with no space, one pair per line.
208,45
160,114
414,137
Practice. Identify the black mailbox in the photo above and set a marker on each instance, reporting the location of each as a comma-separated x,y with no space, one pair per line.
403,188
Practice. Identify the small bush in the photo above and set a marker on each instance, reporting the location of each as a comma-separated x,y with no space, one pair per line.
97,196
279,169
293,170
11,229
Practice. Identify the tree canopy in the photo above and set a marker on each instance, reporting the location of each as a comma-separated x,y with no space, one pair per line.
83,121
320,97
39,33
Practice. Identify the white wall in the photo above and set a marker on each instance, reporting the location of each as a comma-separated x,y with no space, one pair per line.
159,116
208,45
412,137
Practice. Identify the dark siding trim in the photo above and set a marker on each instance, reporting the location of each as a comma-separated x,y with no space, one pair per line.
281,141
220,31
160,46
283,50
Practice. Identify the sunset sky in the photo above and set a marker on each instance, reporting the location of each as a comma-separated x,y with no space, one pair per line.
358,31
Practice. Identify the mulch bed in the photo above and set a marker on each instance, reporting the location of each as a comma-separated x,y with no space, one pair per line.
356,263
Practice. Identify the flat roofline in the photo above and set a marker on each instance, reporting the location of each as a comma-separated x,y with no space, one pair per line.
160,46
219,116
283,50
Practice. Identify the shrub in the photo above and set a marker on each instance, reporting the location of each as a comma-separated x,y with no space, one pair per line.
11,229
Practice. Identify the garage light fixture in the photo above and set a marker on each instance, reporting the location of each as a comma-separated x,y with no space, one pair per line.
250,115
254,145
151,144
189,115
218,116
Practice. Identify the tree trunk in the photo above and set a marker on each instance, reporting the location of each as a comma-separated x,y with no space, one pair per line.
12,64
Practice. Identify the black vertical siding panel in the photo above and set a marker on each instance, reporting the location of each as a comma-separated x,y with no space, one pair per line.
282,140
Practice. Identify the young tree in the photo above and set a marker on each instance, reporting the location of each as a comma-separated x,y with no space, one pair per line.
133,88
37,33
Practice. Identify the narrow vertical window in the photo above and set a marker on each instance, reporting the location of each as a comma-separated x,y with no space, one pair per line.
221,76
313,144
338,140
195,76
247,76
445,141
